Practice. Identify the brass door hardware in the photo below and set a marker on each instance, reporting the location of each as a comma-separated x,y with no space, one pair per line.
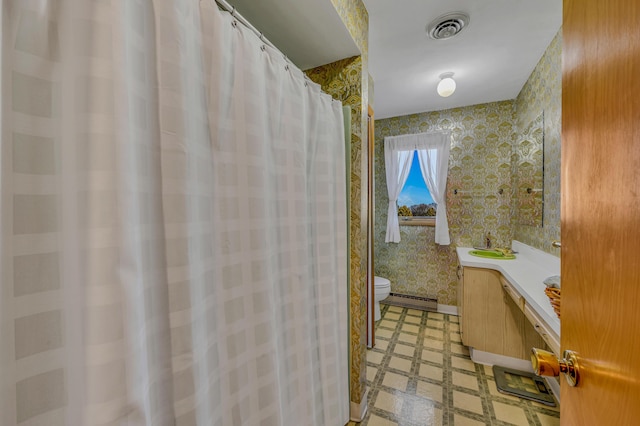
545,363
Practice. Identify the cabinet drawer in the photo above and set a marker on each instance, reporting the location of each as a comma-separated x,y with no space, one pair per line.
511,291
545,331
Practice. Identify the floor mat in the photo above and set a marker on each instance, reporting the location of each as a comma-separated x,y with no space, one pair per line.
523,384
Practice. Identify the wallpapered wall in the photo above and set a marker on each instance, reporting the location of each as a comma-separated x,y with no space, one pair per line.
543,92
355,17
480,164
348,81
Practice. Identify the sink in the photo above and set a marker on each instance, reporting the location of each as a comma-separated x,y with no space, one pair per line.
492,254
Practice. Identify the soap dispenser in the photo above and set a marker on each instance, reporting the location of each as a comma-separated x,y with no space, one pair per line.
488,240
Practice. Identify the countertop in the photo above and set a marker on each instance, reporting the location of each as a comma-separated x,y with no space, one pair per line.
526,273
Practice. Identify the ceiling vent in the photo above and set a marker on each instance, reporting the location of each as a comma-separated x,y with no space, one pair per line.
447,26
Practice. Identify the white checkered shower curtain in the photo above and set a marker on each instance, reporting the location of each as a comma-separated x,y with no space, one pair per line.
173,222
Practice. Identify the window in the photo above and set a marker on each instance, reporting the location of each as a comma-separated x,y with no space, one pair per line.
415,203
432,151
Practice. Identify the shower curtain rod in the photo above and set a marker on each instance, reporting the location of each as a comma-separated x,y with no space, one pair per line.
232,10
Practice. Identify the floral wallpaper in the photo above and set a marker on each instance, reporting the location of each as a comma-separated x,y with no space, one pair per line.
543,94
348,81
478,197
356,18
527,166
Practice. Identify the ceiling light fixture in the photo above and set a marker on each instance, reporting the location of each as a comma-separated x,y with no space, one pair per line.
447,85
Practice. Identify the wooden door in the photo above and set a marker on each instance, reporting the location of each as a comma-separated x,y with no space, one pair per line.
600,218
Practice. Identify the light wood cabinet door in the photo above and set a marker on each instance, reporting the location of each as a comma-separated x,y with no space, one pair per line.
533,339
492,318
513,340
490,324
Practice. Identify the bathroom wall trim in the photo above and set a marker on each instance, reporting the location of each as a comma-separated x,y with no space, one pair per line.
359,410
488,358
448,309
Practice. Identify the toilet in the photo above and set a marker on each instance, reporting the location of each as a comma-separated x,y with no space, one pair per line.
382,288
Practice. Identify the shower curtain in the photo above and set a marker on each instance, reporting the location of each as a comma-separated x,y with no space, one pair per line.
173,237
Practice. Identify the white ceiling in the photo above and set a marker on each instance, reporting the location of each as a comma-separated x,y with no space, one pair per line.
492,58
309,32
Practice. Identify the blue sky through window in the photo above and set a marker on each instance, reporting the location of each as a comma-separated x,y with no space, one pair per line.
415,190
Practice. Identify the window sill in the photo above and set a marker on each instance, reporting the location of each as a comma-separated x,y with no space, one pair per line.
417,221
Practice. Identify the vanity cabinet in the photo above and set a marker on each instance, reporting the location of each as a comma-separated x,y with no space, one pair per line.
492,315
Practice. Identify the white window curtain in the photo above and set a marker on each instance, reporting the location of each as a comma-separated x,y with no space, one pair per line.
397,168
173,215
433,154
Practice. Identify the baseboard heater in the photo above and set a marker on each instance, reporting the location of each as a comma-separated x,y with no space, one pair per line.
413,302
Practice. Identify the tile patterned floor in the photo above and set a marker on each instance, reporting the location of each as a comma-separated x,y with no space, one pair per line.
420,374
